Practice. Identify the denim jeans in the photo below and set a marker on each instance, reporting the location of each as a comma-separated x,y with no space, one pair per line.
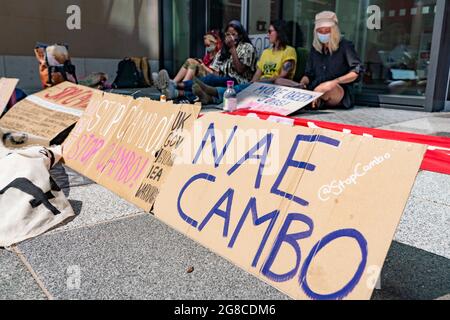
221,91
210,80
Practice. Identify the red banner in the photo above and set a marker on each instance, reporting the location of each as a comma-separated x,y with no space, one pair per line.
437,157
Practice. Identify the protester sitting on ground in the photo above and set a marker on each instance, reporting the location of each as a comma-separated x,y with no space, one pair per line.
194,67
333,65
235,62
278,61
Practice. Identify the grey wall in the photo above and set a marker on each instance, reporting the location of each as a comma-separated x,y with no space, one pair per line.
110,31
25,68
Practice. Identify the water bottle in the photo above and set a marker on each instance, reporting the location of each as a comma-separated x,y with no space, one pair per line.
230,98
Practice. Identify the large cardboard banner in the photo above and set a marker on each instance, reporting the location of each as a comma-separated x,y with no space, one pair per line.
7,87
126,144
276,99
310,211
43,117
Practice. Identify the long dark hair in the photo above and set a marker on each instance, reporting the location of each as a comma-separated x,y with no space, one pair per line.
280,27
243,35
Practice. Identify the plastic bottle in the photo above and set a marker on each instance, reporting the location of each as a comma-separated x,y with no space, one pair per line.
230,98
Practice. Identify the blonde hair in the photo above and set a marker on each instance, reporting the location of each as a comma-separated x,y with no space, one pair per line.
210,38
333,45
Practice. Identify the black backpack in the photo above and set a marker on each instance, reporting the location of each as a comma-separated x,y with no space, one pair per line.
128,75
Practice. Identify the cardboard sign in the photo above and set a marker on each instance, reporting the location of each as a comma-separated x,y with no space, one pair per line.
7,87
45,117
310,211
276,99
125,144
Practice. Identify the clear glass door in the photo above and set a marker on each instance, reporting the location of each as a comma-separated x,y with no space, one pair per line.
261,13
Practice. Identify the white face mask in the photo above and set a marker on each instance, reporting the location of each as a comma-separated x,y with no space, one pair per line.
324,38
211,48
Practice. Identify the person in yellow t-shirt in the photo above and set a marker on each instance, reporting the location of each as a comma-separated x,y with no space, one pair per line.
278,61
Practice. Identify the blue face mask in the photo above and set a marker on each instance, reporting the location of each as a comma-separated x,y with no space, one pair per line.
324,38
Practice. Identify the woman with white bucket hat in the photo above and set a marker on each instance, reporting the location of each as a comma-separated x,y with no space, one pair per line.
333,65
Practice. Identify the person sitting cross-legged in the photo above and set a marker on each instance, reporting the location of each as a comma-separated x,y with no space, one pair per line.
333,65
236,61
278,61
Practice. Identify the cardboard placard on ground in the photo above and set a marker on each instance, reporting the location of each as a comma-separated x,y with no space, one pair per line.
7,87
276,99
125,144
310,211
45,117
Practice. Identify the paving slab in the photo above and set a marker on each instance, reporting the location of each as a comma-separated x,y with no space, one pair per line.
141,258
413,274
94,204
137,258
432,125
363,116
67,178
426,225
16,282
433,187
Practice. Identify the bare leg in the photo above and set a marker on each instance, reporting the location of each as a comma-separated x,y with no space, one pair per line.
332,97
181,74
190,74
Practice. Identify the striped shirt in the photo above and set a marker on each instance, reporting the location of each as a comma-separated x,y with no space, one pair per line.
247,55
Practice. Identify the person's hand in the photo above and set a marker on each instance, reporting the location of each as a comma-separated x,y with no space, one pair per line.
229,41
302,86
316,103
330,85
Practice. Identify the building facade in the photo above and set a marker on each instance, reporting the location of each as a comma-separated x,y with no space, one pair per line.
406,53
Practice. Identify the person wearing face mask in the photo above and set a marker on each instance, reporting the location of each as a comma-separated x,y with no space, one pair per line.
194,67
277,61
236,62
333,65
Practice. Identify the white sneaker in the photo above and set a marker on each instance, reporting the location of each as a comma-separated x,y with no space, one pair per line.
164,79
155,79
170,91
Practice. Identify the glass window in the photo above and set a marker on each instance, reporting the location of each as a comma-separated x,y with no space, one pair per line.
300,16
261,13
180,34
396,56
223,11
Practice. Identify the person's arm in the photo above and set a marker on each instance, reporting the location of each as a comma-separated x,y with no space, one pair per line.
287,67
350,77
257,76
304,82
309,71
207,69
355,66
214,67
237,64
